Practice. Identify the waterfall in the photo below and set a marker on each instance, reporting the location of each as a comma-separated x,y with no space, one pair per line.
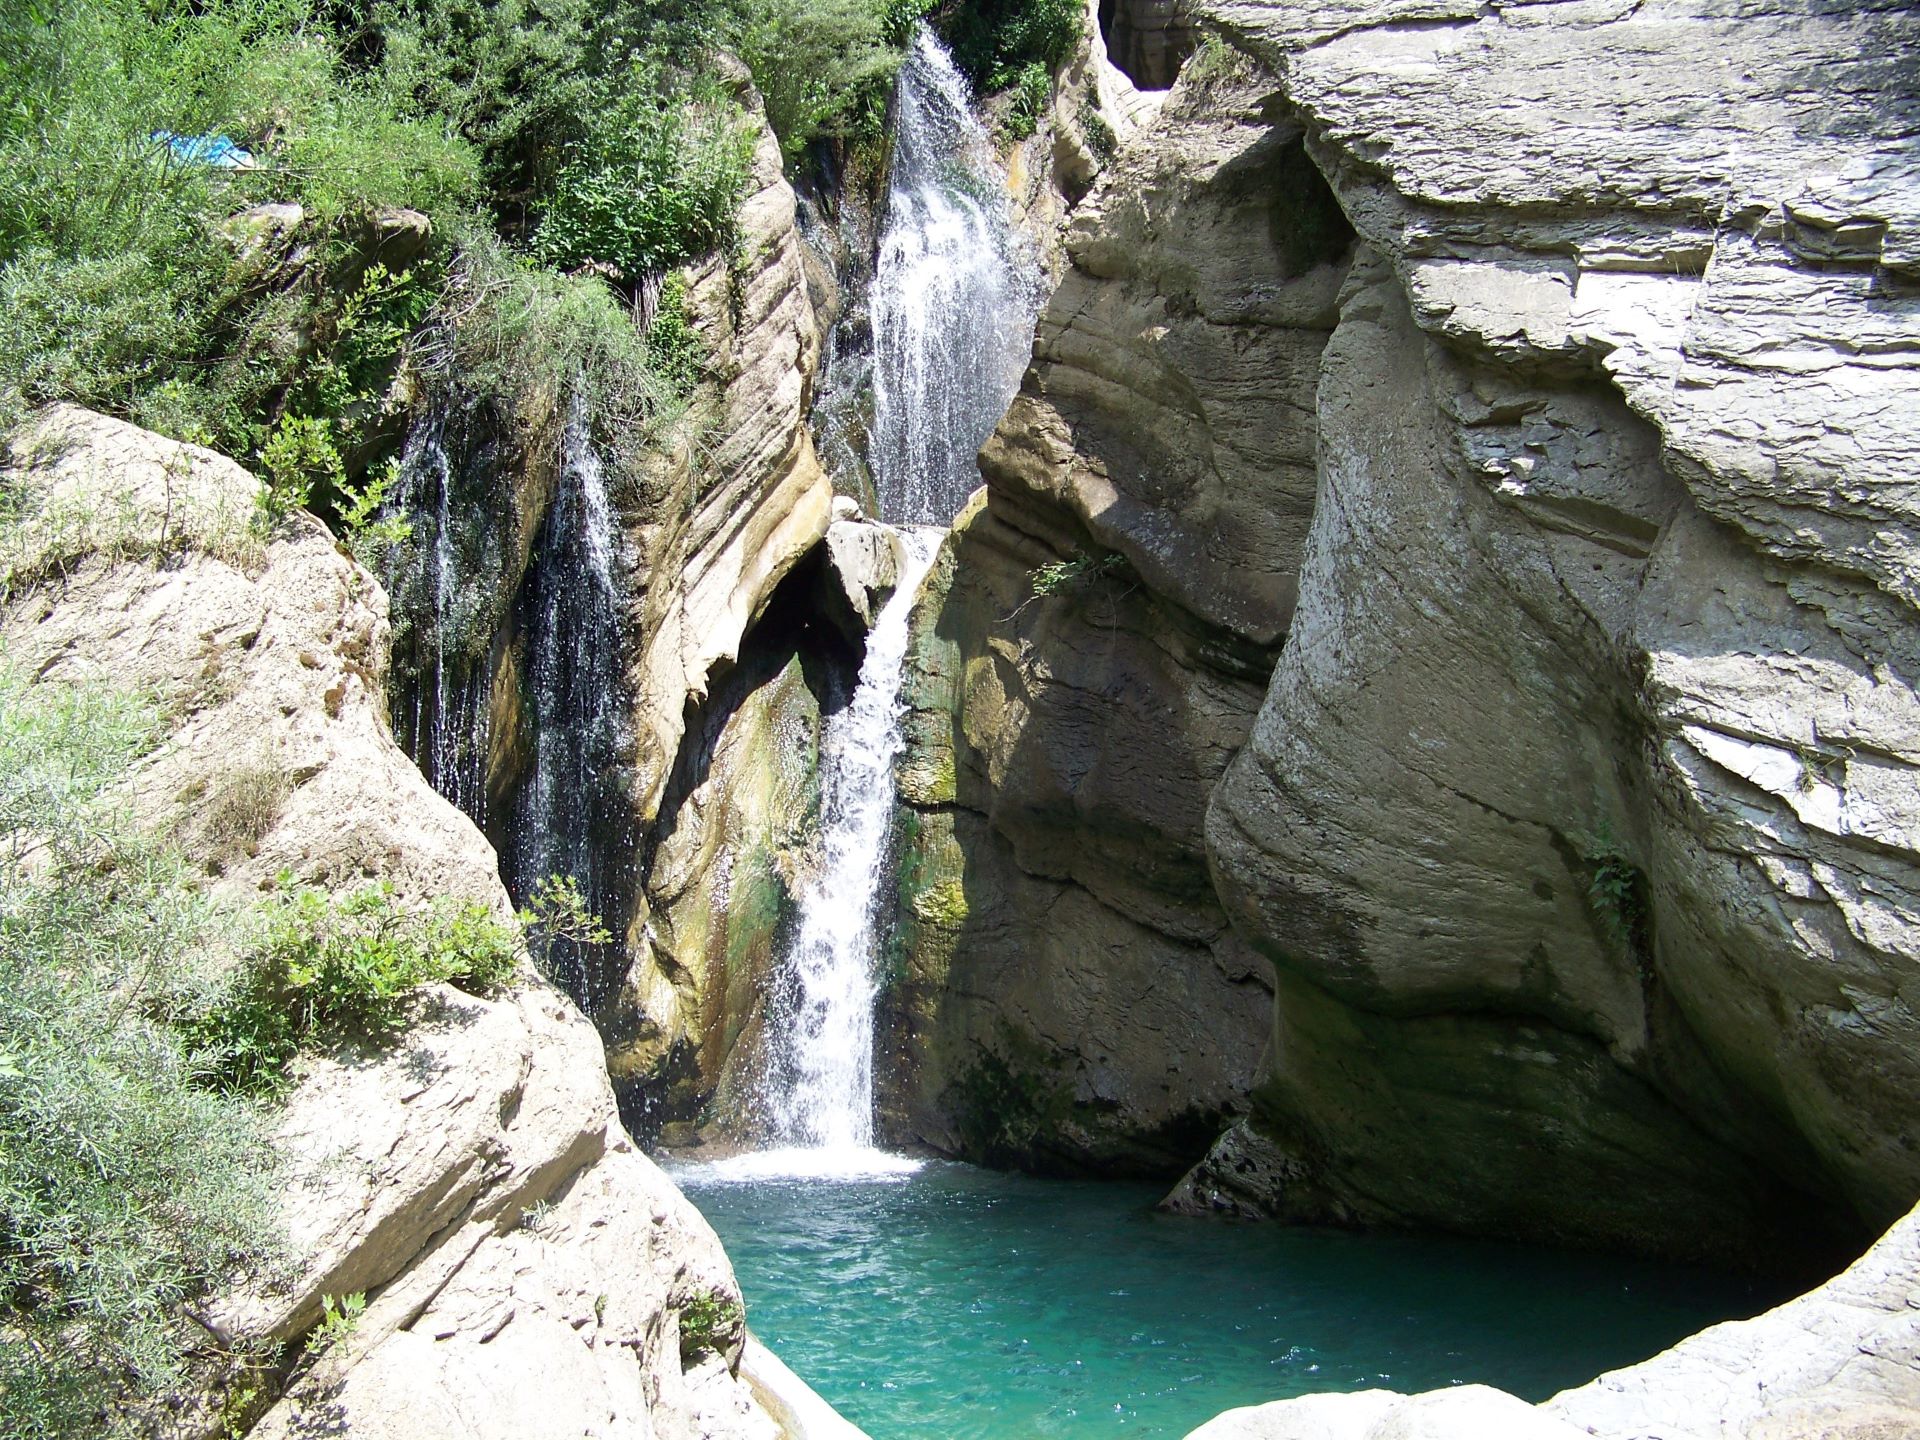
571,814
954,293
566,811
822,1096
441,715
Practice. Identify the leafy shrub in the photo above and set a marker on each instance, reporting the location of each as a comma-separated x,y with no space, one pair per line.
507,327
331,965
674,348
1060,576
1032,87
125,1189
298,455
822,67
993,41
557,912
656,182
709,1321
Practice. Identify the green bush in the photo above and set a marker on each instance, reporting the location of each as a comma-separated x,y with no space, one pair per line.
822,67
331,966
125,1188
508,327
657,181
1032,88
994,41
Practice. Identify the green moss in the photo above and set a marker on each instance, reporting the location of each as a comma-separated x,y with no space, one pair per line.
1009,1098
943,903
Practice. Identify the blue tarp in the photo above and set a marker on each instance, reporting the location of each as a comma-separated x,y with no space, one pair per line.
216,152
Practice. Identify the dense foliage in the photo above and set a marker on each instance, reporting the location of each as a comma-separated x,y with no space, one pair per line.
126,1187
1009,44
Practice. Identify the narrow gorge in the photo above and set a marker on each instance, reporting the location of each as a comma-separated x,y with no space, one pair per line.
1191,718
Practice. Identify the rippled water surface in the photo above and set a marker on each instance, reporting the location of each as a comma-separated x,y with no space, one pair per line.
960,1303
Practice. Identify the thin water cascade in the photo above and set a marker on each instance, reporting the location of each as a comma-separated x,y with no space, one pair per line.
443,723
571,816
954,295
563,808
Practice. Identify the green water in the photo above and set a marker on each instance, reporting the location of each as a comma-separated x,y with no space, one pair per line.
962,1304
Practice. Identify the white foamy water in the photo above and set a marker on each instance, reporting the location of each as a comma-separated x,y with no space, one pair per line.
955,290
820,1094
792,1162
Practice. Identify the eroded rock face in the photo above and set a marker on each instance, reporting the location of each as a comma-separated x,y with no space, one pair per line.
1579,816
749,503
527,1272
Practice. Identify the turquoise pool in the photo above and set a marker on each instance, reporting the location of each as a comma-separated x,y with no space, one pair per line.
962,1304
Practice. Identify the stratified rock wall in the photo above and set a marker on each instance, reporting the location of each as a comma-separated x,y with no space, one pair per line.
1580,818
1524,397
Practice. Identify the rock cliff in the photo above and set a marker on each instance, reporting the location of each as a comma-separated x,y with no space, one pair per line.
1514,400
527,1271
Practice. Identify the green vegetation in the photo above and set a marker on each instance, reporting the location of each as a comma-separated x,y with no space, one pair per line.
709,1321
127,1188
338,1319
1060,576
657,182
345,966
998,43
1100,137
823,67
1618,894
556,912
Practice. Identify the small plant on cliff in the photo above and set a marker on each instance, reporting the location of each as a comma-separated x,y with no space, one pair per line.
1617,893
556,913
350,966
708,1320
1061,576
338,1319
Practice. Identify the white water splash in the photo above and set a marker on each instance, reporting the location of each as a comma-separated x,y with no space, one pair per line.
821,1096
954,295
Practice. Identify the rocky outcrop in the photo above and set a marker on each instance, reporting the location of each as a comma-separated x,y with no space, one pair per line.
719,894
1148,39
1579,817
750,499
527,1272
1090,653
1840,1361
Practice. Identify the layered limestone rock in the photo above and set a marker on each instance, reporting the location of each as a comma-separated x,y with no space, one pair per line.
1840,1361
747,503
1580,817
1066,991
725,861
527,1271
